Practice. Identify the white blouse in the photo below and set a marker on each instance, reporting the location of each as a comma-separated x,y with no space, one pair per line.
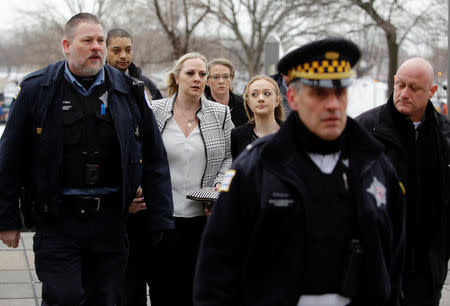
187,161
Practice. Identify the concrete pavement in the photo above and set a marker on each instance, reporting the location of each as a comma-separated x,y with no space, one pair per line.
19,285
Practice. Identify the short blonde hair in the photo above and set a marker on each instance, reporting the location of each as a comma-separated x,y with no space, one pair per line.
223,61
279,111
172,86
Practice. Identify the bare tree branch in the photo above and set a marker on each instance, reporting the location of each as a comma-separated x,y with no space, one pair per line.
179,18
398,23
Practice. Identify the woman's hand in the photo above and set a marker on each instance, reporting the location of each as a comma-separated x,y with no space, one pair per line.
208,209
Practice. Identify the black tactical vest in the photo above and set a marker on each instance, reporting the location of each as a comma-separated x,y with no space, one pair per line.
91,155
330,219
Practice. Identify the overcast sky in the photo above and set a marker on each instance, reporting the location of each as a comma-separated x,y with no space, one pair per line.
9,11
9,8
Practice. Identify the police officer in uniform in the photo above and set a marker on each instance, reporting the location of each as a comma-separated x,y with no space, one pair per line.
312,215
81,140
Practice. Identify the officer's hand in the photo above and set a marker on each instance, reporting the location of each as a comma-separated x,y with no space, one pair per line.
10,238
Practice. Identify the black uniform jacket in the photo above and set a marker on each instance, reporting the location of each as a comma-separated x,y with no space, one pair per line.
253,247
31,148
380,122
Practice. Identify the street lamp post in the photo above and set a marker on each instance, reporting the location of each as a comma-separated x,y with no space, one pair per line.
448,60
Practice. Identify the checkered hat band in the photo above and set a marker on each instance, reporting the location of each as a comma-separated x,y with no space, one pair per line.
325,69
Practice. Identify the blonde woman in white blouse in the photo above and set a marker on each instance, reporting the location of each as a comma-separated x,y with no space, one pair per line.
196,134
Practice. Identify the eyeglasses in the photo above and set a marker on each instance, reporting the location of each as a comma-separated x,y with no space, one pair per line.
225,77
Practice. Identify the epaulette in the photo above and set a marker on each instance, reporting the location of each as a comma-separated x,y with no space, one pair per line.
34,74
257,144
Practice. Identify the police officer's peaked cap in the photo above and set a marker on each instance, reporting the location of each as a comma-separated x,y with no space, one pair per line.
324,63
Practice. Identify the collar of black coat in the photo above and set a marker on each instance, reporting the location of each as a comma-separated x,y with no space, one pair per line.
279,150
207,93
311,143
118,80
395,118
234,99
134,70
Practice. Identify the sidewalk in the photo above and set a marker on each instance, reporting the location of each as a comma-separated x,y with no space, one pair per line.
19,285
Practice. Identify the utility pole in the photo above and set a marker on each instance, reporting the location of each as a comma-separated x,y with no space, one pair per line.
448,60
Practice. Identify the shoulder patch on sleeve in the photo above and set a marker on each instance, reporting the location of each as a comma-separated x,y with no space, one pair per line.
228,177
402,187
17,91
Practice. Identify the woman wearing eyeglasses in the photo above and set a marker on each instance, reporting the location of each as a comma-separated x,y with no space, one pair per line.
196,135
262,100
218,89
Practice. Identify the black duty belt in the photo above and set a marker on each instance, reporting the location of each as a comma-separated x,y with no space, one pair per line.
86,205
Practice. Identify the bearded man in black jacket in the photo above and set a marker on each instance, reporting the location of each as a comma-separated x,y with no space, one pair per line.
417,141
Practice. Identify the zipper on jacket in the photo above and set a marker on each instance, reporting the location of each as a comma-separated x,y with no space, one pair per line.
344,176
416,205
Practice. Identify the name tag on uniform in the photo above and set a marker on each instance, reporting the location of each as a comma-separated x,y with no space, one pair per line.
281,202
66,105
281,199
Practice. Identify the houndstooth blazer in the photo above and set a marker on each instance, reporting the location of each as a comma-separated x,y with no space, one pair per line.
215,128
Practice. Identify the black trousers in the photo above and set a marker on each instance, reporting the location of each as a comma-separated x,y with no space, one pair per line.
81,261
149,263
188,235
417,291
